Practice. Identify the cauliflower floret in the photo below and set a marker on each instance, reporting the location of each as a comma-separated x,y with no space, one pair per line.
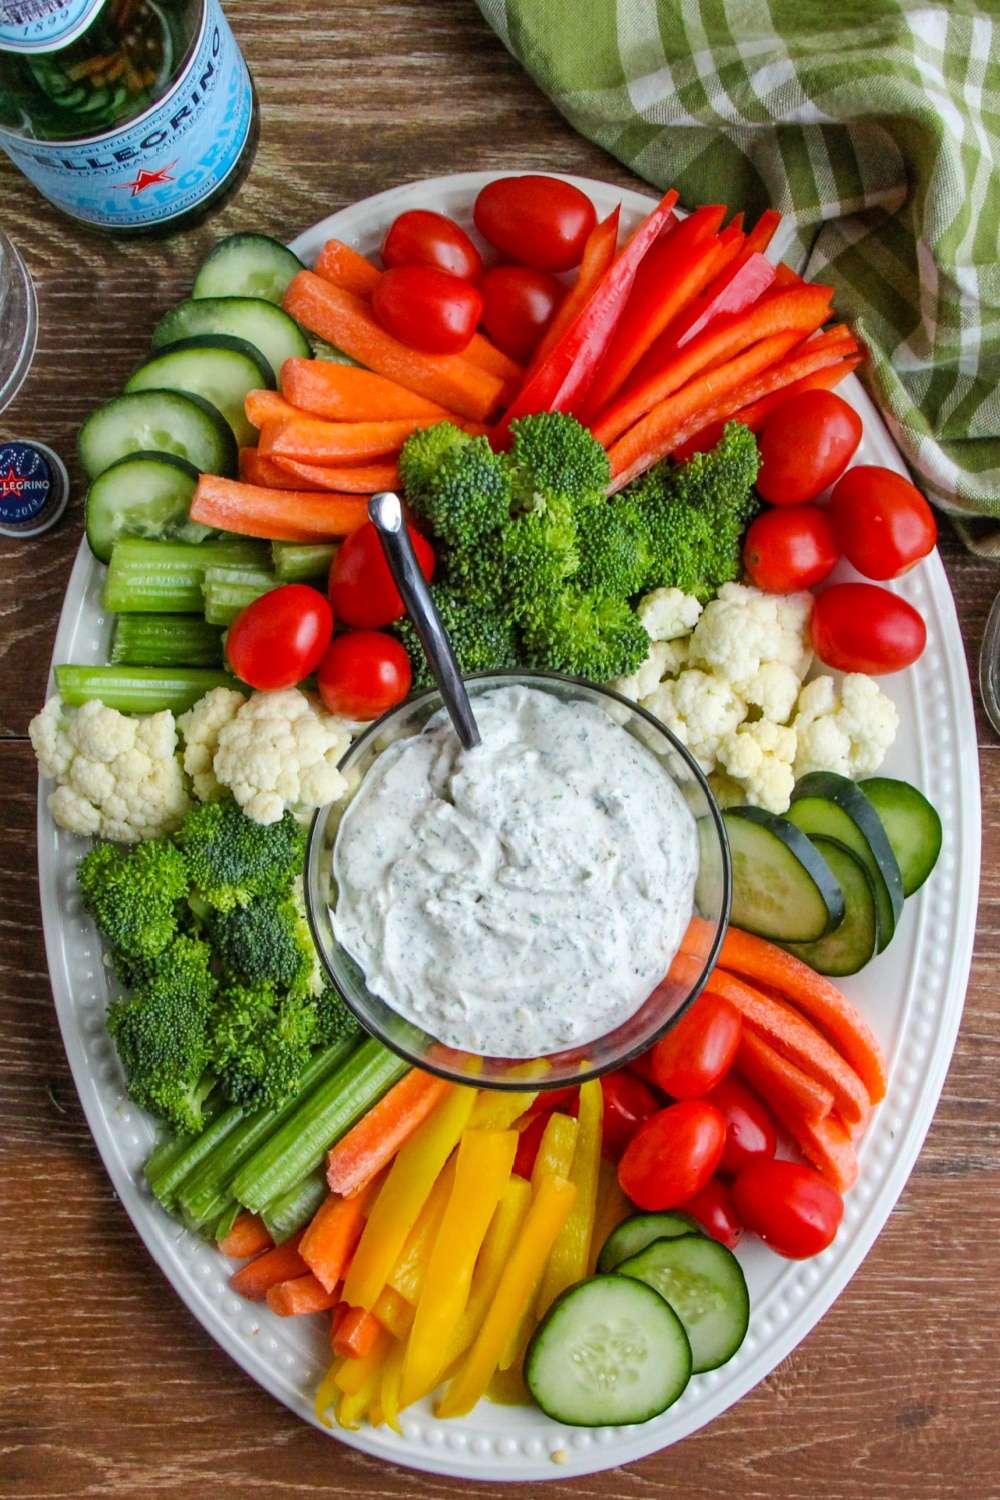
664,659
116,776
759,755
281,750
743,631
847,731
200,727
700,710
668,613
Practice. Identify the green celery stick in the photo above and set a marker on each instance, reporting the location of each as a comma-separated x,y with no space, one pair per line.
140,690
165,641
293,1210
229,589
303,562
150,577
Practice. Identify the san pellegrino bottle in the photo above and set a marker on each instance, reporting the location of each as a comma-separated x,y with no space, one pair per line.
135,116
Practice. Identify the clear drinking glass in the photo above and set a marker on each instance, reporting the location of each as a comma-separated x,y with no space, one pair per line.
18,321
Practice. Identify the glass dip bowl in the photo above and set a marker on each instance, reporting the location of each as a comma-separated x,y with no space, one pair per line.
661,1009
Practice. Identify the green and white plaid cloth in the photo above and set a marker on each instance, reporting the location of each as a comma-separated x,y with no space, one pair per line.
874,125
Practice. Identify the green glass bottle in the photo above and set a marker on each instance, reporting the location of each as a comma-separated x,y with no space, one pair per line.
134,116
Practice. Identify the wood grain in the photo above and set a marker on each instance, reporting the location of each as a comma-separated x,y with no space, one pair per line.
108,1385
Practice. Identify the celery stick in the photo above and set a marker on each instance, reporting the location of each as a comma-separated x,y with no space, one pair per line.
140,690
225,1221
151,577
166,1176
229,589
165,641
301,1143
292,1210
302,562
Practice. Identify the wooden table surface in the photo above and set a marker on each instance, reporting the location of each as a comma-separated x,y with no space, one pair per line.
108,1386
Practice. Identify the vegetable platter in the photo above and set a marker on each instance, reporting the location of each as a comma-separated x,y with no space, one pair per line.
912,996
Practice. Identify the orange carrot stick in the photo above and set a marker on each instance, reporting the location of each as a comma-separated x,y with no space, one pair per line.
353,479
826,1145
331,1236
267,406
755,415
279,1264
346,393
300,1294
347,268
278,515
348,322
354,1332
777,1079
312,440
373,1142
757,959
249,1235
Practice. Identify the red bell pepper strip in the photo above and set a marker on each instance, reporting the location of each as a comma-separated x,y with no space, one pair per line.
598,253
567,370
762,233
738,288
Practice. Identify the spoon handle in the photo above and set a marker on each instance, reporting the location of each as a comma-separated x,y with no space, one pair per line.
386,514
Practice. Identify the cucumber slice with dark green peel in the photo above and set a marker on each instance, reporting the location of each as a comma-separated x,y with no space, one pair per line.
912,827
705,1286
247,265
782,888
850,946
639,1230
609,1351
832,807
220,369
161,421
270,330
146,494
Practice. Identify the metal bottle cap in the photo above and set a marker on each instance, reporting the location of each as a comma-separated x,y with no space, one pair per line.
34,488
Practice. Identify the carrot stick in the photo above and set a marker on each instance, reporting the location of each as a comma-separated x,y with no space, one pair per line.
799,1040
355,1332
653,437
312,440
248,1236
777,1079
347,268
826,1145
757,959
373,1142
289,474
267,406
757,413
346,393
598,253
347,321
279,1264
331,1235
278,515
300,1294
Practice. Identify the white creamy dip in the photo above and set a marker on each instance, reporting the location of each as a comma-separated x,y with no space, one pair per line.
524,896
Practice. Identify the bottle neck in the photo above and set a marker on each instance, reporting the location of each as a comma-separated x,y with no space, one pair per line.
38,26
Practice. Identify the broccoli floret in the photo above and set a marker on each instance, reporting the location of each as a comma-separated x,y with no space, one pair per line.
616,555
261,1043
474,574
334,1021
556,459
540,552
456,483
586,634
133,896
161,1031
231,859
484,639
698,513
268,939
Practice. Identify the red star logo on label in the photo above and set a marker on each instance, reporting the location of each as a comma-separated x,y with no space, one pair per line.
11,484
144,179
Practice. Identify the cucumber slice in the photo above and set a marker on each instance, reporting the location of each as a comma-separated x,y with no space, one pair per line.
639,1230
217,367
849,947
705,1286
831,806
912,827
247,265
162,421
610,1350
146,494
270,330
782,887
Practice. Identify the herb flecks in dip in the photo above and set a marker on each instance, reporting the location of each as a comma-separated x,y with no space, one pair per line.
522,897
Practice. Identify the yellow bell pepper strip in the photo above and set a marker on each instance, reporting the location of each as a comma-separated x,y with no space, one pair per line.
482,1171
546,1217
408,1273
393,1312
507,1388
355,1370
404,1193
570,1253
327,1392
493,1111
613,1205
555,1152
392,1374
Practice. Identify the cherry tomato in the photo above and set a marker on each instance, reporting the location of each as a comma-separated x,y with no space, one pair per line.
430,239
279,639
427,309
627,1103
884,523
715,1211
790,548
528,1143
362,590
859,627
750,1130
806,444
793,1209
697,1052
363,673
519,303
642,1066
536,221
672,1154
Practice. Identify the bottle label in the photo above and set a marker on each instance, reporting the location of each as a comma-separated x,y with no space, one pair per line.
41,25
168,160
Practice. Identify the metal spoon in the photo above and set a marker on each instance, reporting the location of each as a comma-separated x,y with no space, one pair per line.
386,514
989,666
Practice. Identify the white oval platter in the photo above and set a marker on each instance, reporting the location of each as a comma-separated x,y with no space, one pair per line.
912,995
